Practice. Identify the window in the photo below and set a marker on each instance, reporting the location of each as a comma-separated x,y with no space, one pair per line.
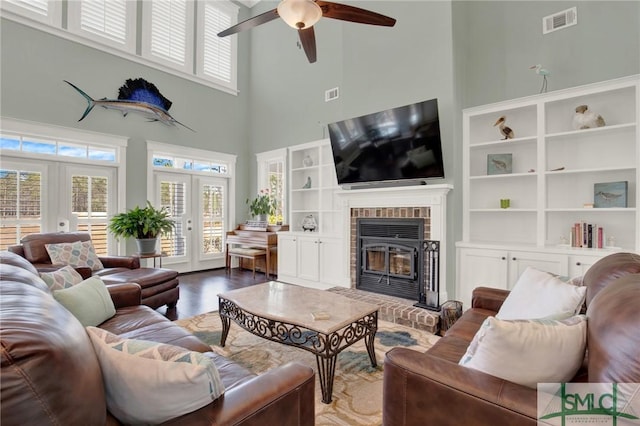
89,202
168,32
108,21
31,145
20,205
213,216
46,11
173,198
166,36
271,175
217,55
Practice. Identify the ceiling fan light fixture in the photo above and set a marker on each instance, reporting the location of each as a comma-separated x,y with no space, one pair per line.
299,14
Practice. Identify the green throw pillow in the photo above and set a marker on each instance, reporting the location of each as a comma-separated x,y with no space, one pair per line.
89,301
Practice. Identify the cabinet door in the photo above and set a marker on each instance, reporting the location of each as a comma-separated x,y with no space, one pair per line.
578,265
309,258
287,255
480,268
519,261
331,261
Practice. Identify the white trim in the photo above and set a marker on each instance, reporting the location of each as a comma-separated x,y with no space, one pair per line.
64,34
53,18
185,151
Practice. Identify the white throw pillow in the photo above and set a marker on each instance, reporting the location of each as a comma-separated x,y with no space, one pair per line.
529,352
539,295
149,382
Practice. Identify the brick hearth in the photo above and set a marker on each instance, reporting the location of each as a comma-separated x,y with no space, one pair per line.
395,309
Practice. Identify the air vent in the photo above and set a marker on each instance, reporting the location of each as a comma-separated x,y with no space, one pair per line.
560,20
331,94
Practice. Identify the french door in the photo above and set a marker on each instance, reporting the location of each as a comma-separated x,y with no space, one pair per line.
198,207
47,196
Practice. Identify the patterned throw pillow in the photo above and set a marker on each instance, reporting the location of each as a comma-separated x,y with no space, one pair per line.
80,253
64,277
529,352
149,382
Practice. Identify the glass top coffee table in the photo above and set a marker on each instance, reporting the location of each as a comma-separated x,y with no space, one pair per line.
318,321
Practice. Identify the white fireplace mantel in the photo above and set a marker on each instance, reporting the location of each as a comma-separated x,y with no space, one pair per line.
432,196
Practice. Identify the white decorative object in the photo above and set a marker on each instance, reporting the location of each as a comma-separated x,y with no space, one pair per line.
540,295
309,223
529,352
584,118
307,161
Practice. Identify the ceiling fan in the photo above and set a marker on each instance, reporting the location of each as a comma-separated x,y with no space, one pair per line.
303,14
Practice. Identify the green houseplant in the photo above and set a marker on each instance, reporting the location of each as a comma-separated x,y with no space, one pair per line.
263,206
143,224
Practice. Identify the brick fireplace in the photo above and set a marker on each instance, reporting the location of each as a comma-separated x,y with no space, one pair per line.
426,202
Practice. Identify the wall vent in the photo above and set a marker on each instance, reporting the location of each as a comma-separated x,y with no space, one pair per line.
331,94
560,20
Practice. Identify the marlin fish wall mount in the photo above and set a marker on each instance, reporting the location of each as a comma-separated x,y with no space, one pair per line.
137,95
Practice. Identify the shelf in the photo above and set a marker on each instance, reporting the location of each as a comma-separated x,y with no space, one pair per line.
504,142
590,210
504,176
583,132
503,210
305,169
590,170
305,190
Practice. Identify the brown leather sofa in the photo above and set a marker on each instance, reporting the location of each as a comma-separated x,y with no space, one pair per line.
50,373
431,388
159,285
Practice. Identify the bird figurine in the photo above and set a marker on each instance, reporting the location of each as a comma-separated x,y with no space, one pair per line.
586,119
544,73
308,184
506,131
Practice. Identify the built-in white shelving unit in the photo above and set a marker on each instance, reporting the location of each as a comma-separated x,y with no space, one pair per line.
554,169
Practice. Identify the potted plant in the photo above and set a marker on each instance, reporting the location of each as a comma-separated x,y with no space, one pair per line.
263,206
143,224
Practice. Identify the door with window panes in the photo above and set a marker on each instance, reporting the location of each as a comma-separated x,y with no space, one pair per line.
89,201
198,209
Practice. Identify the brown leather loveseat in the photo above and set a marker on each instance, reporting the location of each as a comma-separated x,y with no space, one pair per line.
159,285
431,388
50,373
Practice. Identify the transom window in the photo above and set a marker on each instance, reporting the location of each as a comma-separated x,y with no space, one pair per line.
171,162
32,145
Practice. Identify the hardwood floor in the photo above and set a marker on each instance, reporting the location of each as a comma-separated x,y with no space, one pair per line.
199,290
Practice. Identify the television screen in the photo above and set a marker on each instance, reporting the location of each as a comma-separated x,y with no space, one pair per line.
396,144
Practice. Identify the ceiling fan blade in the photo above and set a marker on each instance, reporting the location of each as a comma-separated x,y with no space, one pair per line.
354,14
308,40
263,18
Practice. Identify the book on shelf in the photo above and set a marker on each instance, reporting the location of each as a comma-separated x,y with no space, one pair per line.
587,235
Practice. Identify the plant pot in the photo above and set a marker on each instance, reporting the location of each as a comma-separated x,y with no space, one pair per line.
146,245
262,217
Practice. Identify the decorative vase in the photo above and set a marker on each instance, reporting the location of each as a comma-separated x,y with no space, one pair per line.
307,161
262,217
146,245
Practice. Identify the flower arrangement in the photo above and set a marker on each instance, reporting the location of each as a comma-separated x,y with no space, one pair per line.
263,204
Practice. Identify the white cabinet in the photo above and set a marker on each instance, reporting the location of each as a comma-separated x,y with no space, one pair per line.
548,171
310,260
501,268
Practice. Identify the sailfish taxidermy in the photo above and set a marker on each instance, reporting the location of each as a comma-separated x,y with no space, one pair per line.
136,95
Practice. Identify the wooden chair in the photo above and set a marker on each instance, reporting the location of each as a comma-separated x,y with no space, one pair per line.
247,253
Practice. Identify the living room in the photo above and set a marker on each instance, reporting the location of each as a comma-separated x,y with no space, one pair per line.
464,53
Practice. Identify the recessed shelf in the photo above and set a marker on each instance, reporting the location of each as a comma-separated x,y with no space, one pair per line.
504,142
509,210
592,210
504,176
590,170
583,132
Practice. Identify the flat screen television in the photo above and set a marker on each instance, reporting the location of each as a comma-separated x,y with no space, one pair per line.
398,144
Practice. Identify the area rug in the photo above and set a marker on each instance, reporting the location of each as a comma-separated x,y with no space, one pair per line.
357,389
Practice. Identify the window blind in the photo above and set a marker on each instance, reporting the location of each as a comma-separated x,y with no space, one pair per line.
169,30
216,50
106,18
41,7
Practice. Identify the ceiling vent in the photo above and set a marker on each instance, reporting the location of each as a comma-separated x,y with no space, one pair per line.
331,94
560,20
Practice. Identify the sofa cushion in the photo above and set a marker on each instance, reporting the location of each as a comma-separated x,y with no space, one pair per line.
48,362
79,253
607,270
149,382
9,258
538,294
89,301
64,277
10,272
529,352
146,277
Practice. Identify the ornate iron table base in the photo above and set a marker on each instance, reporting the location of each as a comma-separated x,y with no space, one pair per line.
325,347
